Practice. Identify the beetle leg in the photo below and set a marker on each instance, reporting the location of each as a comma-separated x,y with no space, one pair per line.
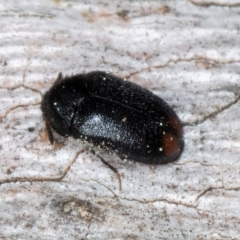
114,170
49,132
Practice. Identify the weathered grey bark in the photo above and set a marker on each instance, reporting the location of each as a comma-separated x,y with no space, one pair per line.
187,54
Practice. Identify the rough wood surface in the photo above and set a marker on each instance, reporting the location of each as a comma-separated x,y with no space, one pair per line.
186,52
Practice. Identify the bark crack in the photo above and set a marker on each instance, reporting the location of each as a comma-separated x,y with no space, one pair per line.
42,179
180,59
213,114
213,3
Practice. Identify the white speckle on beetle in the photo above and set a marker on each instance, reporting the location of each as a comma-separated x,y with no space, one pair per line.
104,78
55,103
163,133
124,119
171,139
147,146
124,79
160,149
160,124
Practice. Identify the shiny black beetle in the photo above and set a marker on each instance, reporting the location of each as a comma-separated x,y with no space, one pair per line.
113,115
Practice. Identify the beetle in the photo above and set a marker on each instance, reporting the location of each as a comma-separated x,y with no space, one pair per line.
114,115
